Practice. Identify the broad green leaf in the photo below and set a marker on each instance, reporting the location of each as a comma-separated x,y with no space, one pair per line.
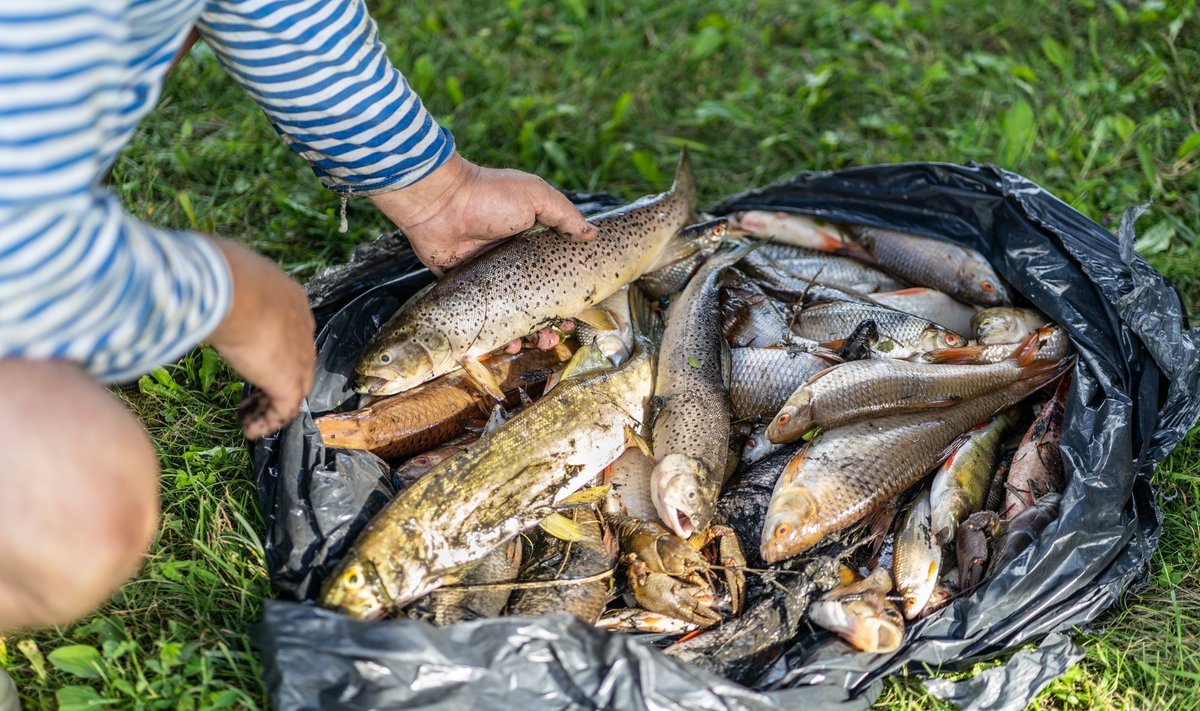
455,91
1056,53
30,649
1155,240
647,166
1019,131
1023,71
73,698
1189,144
1122,125
694,362
707,42
422,74
81,660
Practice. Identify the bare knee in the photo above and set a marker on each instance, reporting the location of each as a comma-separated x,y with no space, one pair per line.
83,509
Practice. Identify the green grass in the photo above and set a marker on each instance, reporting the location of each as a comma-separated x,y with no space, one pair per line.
1094,101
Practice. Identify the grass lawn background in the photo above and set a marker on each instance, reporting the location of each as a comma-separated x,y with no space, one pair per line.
1096,101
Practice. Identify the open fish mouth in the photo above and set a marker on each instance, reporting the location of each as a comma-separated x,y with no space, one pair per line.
372,385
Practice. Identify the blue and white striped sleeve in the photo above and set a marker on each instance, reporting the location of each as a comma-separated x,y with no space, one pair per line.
321,74
80,279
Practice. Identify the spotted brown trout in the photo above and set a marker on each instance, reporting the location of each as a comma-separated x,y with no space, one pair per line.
497,487
531,281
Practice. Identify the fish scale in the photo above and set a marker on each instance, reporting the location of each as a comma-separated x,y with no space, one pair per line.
908,334
761,379
848,473
526,283
959,271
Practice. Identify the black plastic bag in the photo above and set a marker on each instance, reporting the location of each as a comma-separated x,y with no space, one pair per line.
1132,399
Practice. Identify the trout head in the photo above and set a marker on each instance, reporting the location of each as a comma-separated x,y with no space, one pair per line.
402,360
936,337
978,284
677,489
790,528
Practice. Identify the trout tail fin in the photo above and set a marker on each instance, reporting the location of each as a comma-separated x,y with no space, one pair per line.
684,187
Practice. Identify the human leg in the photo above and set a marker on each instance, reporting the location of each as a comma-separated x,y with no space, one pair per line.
78,493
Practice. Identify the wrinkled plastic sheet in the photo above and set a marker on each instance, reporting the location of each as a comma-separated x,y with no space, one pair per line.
1132,399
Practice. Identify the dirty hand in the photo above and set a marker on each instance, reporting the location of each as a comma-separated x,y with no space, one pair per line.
267,337
462,208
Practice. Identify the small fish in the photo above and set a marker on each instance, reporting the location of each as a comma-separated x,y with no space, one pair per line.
848,473
796,273
853,391
938,264
960,486
933,305
423,418
758,446
918,556
566,561
861,614
528,282
455,604
633,619
900,335
943,593
613,343
418,466
800,231
1006,324
1053,344
692,415
761,379
1037,466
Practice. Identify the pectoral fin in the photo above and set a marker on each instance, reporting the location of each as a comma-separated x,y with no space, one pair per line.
598,319
481,378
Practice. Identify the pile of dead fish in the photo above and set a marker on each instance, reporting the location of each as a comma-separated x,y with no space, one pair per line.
737,429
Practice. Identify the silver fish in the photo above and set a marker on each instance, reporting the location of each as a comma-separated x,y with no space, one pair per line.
924,261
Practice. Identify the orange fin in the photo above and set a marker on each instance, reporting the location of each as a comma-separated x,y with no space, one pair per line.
965,355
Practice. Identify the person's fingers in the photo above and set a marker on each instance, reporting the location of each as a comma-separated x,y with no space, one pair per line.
547,338
566,326
555,211
514,346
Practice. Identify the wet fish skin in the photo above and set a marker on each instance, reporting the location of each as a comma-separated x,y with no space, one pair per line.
761,379
616,343
741,648
528,282
853,391
960,486
924,261
423,418
1006,324
848,473
743,503
1053,344
629,481
933,305
1037,465
749,317
692,419
861,614
422,464
500,486
451,605
918,556
555,559
794,274
683,258
901,335
799,231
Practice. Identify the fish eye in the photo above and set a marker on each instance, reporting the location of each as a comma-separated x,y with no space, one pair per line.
952,339
385,358
691,494
421,461
353,580
987,285
784,419
751,442
783,530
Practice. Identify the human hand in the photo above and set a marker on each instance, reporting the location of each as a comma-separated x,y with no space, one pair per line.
267,337
462,209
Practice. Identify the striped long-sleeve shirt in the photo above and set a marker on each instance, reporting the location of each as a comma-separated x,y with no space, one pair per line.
79,278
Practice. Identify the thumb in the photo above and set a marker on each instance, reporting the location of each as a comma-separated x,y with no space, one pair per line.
555,211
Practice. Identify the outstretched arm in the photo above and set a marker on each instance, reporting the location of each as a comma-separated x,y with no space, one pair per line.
321,74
